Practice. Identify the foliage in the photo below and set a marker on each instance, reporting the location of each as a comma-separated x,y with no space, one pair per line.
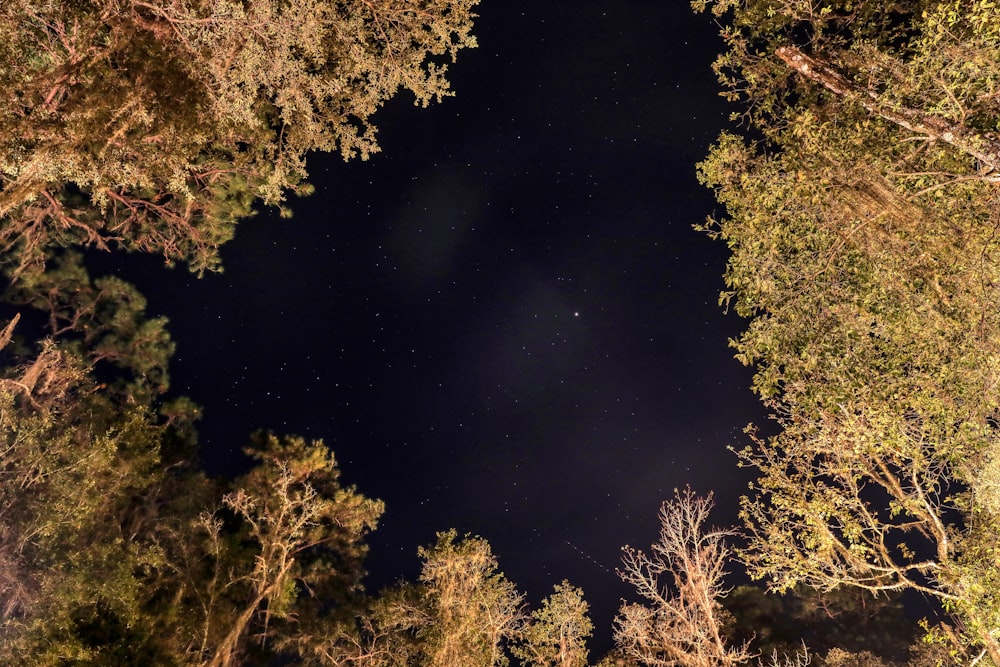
461,612
109,554
284,544
556,634
103,321
74,468
682,582
155,125
617,659
863,238
846,619
471,607
753,29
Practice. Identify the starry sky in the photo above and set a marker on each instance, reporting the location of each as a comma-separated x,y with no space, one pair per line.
504,322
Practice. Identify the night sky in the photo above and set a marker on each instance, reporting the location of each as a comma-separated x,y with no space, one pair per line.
504,322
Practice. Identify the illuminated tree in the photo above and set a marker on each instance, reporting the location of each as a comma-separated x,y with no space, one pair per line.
471,609
681,579
102,321
863,237
556,634
155,125
110,553
276,556
75,468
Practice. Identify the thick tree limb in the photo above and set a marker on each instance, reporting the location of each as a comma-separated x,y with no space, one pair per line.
983,148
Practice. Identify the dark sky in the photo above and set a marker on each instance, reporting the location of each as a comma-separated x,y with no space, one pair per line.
503,323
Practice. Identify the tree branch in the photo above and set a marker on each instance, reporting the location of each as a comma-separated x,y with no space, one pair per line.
983,148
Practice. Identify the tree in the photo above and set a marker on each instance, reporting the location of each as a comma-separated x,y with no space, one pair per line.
102,321
155,125
75,467
556,634
268,565
682,581
111,553
154,580
862,229
471,610
461,612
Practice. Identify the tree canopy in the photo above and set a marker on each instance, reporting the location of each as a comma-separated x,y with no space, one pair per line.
155,126
862,212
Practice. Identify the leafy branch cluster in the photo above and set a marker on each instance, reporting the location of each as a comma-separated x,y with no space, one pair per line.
863,225
155,126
